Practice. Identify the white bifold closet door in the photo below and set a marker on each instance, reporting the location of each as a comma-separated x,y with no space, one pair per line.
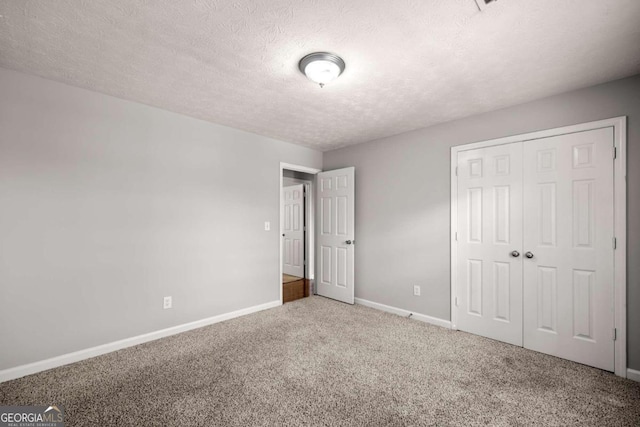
535,245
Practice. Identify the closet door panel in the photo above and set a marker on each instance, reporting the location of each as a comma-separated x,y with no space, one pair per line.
568,234
489,230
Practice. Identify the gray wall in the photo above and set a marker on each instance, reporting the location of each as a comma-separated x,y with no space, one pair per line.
402,197
106,206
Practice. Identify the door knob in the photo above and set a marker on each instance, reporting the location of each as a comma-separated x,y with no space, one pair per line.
348,242
515,254
529,255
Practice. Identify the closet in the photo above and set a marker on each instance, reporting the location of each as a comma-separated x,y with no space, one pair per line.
534,244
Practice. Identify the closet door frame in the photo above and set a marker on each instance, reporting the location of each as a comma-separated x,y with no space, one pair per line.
619,125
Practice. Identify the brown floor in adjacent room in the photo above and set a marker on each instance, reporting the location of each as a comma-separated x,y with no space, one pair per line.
294,288
320,362
287,278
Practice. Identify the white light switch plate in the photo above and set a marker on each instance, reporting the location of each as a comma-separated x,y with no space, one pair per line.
267,226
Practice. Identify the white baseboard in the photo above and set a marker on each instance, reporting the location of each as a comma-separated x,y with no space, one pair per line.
632,374
405,313
76,356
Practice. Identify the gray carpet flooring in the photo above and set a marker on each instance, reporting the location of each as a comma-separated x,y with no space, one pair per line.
319,362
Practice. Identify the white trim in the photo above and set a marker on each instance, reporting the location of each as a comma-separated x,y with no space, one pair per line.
620,254
404,313
619,125
453,236
297,168
633,375
546,133
76,356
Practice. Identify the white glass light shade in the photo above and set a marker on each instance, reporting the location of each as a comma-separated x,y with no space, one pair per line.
322,71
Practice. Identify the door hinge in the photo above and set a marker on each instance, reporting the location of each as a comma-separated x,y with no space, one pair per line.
615,334
456,236
615,243
456,301
615,152
456,171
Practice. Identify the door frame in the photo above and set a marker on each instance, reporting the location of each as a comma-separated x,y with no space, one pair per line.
619,125
310,215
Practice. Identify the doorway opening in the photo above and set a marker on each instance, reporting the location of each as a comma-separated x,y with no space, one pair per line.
297,232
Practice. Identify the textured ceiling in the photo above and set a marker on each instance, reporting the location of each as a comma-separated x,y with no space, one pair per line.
410,63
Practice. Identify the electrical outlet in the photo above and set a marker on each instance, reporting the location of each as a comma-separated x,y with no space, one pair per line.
267,226
416,290
167,303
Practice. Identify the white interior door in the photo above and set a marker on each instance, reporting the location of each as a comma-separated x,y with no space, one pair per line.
335,201
489,231
293,230
569,219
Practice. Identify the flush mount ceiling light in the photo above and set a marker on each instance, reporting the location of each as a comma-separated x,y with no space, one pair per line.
321,67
